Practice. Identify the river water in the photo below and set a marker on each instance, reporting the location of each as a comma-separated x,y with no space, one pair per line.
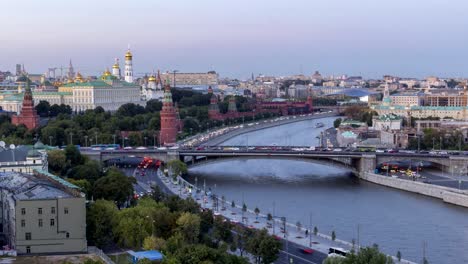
393,219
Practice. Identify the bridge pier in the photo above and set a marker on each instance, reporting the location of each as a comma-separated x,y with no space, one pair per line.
367,163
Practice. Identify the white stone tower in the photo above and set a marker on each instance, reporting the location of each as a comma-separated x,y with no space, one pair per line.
128,67
116,69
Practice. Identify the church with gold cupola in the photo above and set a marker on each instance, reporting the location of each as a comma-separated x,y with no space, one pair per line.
152,87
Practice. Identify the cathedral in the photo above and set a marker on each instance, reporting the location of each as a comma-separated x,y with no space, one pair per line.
152,87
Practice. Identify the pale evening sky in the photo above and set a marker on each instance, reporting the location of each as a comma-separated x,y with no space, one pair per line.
236,38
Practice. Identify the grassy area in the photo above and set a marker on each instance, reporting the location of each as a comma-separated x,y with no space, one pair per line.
121,259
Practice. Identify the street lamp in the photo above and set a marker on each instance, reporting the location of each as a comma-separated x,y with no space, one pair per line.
86,140
146,138
50,140
114,136
154,141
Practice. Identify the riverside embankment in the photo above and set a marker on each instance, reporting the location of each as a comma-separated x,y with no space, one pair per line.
448,195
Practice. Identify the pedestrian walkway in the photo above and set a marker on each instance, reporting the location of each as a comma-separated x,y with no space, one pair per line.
292,233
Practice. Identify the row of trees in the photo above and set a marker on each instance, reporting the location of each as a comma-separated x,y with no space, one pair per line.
179,229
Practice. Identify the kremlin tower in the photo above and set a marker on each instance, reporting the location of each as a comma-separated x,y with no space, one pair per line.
28,115
128,66
169,122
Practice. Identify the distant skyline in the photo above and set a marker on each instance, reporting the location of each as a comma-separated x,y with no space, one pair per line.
371,38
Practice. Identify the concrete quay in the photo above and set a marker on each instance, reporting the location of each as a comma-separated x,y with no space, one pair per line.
448,195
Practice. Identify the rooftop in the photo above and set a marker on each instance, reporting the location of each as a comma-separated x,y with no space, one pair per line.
29,187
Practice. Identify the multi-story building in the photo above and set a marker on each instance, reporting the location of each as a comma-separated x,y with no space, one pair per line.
183,79
454,108
408,99
41,214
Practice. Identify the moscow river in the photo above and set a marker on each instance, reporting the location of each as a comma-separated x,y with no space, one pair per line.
393,219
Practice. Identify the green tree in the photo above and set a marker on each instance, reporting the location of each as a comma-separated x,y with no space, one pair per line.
369,255
153,106
337,122
99,222
398,255
73,155
57,161
335,260
114,186
90,170
189,226
315,230
84,185
233,204
177,168
154,243
263,247
43,108
333,235
222,230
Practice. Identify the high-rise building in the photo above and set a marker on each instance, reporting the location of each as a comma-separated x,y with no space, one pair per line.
71,71
128,66
169,122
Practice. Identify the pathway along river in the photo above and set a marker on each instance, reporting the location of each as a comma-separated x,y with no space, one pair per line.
393,219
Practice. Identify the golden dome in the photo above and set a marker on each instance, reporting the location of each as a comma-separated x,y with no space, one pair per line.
128,55
79,77
151,79
115,66
70,81
107,73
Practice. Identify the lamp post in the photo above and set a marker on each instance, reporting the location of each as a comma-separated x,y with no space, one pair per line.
71,138
154,141
114,136
96,134
50,140
146,138
86,141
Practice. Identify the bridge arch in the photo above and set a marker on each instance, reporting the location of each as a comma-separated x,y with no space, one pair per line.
346,163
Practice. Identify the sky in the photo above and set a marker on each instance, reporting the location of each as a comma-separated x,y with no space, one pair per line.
409,38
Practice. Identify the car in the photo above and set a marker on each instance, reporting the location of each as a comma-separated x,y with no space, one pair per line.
127,148
142,148
307,250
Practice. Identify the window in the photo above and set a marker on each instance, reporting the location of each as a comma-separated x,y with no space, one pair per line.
39,210
28,249
28,236
23,223
52,210
52,222
65,210
40,222
23,211
68,235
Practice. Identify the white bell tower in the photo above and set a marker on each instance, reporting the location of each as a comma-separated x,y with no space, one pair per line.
128,66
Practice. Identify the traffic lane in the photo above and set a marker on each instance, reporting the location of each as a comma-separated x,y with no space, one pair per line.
295,252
